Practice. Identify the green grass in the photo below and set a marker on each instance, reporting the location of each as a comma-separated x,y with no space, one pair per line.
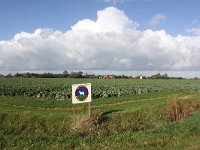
51,103
128,122
180,135
42,107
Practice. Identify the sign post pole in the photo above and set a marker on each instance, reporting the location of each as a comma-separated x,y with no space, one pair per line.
89,110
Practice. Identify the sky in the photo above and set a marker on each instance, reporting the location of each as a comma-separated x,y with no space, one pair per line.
116,35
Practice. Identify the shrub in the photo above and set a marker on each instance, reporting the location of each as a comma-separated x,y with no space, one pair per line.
178,109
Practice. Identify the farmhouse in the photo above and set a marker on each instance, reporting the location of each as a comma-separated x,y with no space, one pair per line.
106,77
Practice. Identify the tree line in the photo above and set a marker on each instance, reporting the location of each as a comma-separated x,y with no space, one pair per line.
80,74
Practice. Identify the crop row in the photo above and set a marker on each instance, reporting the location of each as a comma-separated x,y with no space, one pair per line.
60,89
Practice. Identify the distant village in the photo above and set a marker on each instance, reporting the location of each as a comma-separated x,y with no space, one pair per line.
80,74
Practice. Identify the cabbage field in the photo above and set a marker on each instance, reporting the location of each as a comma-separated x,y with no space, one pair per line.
60,88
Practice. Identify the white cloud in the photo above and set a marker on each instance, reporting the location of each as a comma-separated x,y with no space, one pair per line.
110,19
158,18
195,31
112,42
1,62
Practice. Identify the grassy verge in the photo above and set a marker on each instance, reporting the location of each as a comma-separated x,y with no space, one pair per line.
138,123
183,134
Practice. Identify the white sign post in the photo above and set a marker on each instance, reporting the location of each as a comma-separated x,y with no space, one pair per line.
81,93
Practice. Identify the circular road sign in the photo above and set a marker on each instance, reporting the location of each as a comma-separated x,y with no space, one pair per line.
81,93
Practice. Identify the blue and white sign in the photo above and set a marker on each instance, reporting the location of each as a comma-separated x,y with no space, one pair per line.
81,93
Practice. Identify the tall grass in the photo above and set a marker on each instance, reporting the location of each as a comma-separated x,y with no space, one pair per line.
87,125
179,108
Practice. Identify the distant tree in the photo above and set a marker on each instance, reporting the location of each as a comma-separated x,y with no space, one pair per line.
27,75
73,75
9,75
65,73
80,74
156,76
165,76
76,74
124,77
17,75
48,75
159,76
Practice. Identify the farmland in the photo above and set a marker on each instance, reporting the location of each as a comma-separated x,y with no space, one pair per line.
60,89
126,114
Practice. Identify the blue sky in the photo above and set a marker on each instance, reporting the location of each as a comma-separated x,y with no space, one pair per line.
115,35
28,15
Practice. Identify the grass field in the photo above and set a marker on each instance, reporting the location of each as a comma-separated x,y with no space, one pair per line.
131,121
